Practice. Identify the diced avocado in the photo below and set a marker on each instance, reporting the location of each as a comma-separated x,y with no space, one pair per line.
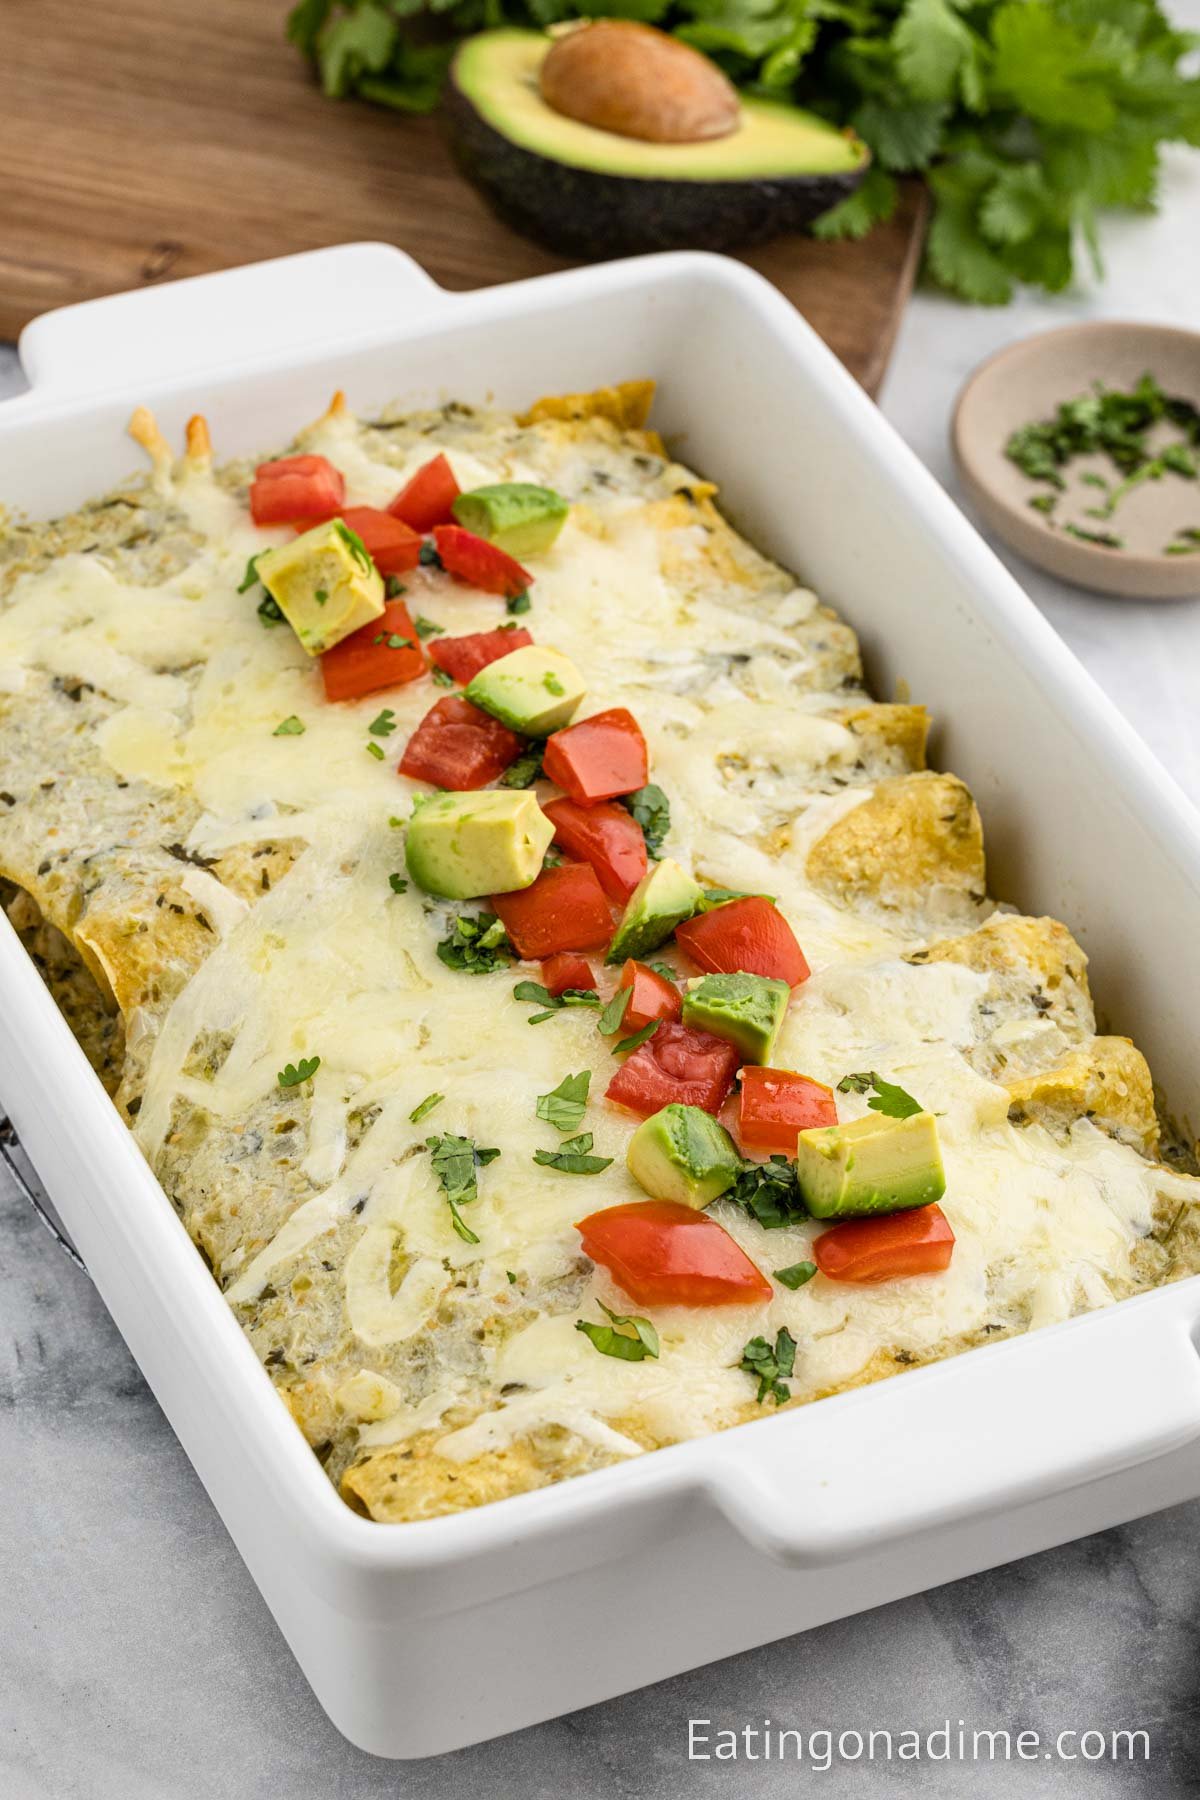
325,585
488,842
874,1165
681,1153
746,1009
516,516
661,900
530,690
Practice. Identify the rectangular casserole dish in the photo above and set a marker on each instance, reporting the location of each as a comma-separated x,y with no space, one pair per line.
718,1544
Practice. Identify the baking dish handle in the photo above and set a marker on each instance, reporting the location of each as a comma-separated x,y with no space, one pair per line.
235,315
1030,1418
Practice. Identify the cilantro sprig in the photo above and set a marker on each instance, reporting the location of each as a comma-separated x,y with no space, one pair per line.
1028,117
293,1074
564,1106
886,1097
573,1157
475,943
456,1161
625,1336
771,1365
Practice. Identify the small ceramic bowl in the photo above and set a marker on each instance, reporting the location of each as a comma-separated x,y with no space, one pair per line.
1026,382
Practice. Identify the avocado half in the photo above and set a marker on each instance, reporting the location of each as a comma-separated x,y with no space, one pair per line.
592,193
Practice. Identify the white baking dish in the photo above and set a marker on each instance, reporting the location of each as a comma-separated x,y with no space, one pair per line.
420,1638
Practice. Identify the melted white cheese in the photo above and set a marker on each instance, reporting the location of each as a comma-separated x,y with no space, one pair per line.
331,962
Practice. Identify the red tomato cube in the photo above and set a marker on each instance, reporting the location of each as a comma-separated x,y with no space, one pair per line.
748,937
479,564
565,970
392,546
665,1254
599,758
776,1105
916,1242
369,659
463,657
458,746
652,996
296,488
565,909
679,1064
426,500
607,837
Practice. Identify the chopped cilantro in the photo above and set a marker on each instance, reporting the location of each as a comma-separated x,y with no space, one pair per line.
540,996
519,603
427,1105
455,1161
321,596
770,1193
354,543
442,677
552,684
251,577
1107,540
714,897
426,628
512,1280
397,883
626,1336
476,944
637,1039
292,1074
429,558
795,1276
565,1105
771,1366
1044,503
610,1019
528,767
384,724
269,611
888,1099
375,751
573,1157
289,727
652,810
393,587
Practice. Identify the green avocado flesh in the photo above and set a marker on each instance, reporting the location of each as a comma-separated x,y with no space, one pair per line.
519,518
683,1154
462,846
874,1165
748,1010
497,71
661,900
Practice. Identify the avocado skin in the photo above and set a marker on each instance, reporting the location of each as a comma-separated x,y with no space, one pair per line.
587,214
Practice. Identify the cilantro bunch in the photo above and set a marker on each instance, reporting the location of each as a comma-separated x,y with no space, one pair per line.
1028,118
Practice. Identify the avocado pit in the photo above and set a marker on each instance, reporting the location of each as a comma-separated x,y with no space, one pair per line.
620,76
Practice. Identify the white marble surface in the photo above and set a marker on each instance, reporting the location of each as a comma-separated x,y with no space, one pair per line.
138,1663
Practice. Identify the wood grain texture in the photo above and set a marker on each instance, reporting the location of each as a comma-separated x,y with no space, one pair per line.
168,137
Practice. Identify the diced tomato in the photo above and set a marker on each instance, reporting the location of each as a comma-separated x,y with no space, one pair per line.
567,971
458,746
679,1064
426,500
480,564
564,970
295,488
366,661
463,657
393,547
653,996
749,937
665,1254
599,758
916,1242
777,1104
607,837
565,909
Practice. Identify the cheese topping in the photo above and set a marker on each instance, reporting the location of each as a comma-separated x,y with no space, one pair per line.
730,685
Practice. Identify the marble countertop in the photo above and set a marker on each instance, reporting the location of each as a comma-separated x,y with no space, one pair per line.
137,1661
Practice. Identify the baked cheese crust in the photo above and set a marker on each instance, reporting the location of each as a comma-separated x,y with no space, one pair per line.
211,901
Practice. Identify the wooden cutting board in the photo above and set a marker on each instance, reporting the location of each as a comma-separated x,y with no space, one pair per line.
167,137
